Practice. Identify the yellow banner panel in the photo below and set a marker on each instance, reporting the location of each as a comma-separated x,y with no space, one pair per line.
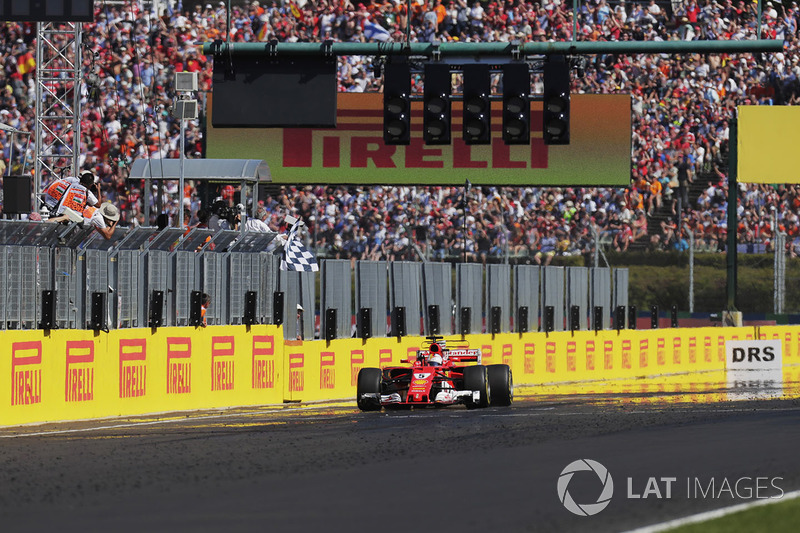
769,137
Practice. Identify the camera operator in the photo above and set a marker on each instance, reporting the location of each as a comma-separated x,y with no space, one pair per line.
232,218
219,211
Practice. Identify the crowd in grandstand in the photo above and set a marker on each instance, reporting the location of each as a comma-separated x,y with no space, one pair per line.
681,106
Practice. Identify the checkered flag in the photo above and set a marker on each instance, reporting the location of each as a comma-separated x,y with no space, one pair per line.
296,256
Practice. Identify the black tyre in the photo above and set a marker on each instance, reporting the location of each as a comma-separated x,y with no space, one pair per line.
477,378
501,384
369,382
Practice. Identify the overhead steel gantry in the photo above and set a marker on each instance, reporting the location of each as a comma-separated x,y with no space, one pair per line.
478,50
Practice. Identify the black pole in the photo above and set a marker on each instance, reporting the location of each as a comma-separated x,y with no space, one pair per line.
467,187
733,195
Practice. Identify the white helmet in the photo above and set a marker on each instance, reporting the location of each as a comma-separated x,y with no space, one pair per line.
435,357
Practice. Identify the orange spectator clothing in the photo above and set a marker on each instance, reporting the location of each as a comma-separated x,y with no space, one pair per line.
441,12
655,188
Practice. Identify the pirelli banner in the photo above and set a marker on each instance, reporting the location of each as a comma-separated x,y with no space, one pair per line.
354,151
70,375
767,144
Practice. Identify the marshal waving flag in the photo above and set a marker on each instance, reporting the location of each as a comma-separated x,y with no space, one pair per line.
296,257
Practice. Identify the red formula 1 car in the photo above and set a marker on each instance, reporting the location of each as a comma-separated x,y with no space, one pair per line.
437,376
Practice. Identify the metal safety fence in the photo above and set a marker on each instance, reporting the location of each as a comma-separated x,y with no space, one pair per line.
64,276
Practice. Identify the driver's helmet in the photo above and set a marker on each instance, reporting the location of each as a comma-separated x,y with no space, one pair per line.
435,357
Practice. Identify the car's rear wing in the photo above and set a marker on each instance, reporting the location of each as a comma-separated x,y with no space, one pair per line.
457,355
464,355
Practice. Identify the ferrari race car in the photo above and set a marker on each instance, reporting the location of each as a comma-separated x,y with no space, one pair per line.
437,376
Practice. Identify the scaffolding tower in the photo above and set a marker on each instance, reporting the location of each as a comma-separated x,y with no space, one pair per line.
58,93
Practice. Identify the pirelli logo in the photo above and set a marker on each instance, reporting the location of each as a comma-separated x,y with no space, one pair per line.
357,142
528,355
26,373
179,365
356,364
590,355
508,354
327,370
626,354
486,352
608,355
661,351
222,363
572,349
79,378
550,357
384,357
707,349
263,362
296,372
132,368
692,350
676,350
644,353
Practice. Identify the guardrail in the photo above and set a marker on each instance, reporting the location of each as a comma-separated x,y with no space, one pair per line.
55,276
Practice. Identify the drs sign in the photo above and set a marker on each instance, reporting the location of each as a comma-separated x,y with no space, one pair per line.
754,369
754,355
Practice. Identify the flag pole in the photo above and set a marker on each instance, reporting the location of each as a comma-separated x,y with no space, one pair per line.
467,187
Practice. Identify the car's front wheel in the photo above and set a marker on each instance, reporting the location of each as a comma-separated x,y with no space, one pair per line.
476,378
369,384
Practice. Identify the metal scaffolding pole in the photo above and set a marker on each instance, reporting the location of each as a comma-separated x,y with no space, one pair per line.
58,92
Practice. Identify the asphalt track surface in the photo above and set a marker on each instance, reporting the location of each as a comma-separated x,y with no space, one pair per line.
332,468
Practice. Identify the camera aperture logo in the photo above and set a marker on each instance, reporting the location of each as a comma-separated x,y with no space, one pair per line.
585,509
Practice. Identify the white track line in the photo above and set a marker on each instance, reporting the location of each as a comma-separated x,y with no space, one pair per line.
717,513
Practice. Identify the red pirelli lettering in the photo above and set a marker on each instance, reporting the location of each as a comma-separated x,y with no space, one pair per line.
356,364
132,369
263,362
296,372
79,380
179,365
529,354
222,363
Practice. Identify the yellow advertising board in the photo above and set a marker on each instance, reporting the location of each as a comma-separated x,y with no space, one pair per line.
354,152
767,146
71,375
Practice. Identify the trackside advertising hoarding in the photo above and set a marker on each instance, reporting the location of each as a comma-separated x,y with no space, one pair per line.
767,143
75,374
354,151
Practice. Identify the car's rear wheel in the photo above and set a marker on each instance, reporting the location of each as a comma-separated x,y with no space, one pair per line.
501,384
369,382
476,378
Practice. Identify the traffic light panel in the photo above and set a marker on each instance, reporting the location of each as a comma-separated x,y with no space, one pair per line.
397,103
436,96
477,106
516,107
556,100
